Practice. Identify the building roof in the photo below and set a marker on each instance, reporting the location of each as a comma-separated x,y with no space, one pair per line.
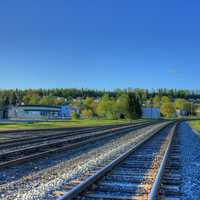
43,106
40,110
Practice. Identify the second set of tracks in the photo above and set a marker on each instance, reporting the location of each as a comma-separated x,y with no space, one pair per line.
28,149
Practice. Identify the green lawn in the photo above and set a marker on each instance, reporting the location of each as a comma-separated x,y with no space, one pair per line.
60,124
195,124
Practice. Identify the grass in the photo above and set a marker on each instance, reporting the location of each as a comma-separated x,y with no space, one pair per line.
195,124
59,124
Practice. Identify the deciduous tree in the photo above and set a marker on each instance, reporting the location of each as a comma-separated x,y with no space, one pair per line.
168,109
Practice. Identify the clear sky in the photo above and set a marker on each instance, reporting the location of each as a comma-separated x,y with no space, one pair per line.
100,44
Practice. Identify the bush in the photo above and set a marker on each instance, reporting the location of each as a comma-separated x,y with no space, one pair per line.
75,116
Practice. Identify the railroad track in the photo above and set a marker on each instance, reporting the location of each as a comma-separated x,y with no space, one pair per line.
57,138
15,135
170,185
8,159
143,172
55,135
53,130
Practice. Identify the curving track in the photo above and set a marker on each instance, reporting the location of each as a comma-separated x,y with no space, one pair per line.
170,184
147,170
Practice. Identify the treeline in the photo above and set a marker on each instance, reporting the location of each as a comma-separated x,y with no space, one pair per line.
129,105
62,95
47,96
124,106
171,107
100,104
108,104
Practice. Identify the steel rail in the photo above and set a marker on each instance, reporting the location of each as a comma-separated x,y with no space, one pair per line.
61,135
102,172
50,134
156,185
67,140
51,129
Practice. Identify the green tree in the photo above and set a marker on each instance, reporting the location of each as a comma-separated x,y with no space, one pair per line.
75,116
157,101
165,99
31,98
47,100
87,113
59,101
121,106
13,98
138,108
180,103
168,109
134,107
106,108
90,104
34,100
103,106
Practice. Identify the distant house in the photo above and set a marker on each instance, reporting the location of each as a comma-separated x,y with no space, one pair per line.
151,112
41,112
181,112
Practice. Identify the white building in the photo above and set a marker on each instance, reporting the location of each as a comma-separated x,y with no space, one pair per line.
151,112
41,112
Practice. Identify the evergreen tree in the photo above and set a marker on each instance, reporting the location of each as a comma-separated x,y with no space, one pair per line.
134,108
138,108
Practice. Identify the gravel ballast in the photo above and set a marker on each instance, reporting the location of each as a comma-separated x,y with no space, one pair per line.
52,174
190,157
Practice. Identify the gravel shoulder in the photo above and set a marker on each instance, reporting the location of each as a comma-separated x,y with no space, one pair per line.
190,156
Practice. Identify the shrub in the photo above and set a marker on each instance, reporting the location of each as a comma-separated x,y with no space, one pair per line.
75,116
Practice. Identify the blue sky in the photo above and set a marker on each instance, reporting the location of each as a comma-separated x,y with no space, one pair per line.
99,44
